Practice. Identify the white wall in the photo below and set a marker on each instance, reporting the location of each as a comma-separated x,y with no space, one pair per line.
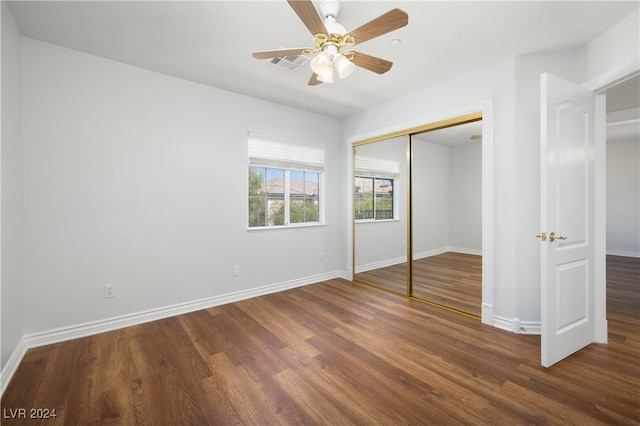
430,197
447,198
623,198
12,279
139,180
465,228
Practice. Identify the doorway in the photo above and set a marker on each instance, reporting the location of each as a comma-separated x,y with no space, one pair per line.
575,329
622,196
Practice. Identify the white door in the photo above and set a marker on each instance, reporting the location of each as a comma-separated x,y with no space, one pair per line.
567,218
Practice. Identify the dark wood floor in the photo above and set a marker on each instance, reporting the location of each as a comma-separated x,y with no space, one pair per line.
450,279
335,353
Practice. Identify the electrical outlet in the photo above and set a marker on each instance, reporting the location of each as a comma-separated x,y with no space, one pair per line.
235,270
321,257
108,291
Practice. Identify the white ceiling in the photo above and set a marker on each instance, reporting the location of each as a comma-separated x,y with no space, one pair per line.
453,136
211,42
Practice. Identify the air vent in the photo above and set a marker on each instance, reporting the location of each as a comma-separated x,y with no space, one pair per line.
290,63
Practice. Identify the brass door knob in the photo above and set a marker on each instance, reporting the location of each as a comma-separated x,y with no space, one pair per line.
542,236
553,237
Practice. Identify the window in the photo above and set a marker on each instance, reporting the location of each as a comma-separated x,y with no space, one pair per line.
284,182
374,196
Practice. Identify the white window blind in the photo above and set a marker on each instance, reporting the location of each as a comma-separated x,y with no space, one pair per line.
267,151
377,167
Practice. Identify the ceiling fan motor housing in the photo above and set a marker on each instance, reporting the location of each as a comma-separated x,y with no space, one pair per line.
329,8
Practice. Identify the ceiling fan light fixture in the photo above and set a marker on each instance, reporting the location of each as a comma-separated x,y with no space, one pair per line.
321,64
343,65
327,76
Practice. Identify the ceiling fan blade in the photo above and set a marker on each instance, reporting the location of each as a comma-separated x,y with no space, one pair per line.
266,54
307,13
371,63
383,24
313,81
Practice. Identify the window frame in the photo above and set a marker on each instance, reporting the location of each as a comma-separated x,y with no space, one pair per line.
312,162
394,200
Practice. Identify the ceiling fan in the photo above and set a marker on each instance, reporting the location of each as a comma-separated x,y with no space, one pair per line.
331,41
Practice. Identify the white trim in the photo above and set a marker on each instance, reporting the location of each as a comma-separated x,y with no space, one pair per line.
531,327
429,253
463,250
487,211
612,77
289,226
600,85
422,121
12,364
380,264
623,253
516,326
446,249
600,220
502,323
487,314
63,334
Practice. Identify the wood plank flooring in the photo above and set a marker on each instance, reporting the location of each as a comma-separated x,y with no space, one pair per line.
334,353
450,279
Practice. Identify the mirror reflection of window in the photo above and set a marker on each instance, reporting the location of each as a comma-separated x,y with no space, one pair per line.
380,216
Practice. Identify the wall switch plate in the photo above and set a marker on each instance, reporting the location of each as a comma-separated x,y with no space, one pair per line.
108,291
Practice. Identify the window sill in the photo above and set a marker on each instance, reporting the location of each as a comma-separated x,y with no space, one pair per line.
291,226
376,221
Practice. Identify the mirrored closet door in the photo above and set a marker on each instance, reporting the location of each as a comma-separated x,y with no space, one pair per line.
380,213
446,183
418,195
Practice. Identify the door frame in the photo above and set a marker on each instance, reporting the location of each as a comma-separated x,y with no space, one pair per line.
485,108
599,85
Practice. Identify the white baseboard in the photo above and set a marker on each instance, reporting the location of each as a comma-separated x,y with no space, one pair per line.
429,253
446,249
502,323
62,334
12,365
487,314
530,327
477,252
623,253
516,326
416,256
380,264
